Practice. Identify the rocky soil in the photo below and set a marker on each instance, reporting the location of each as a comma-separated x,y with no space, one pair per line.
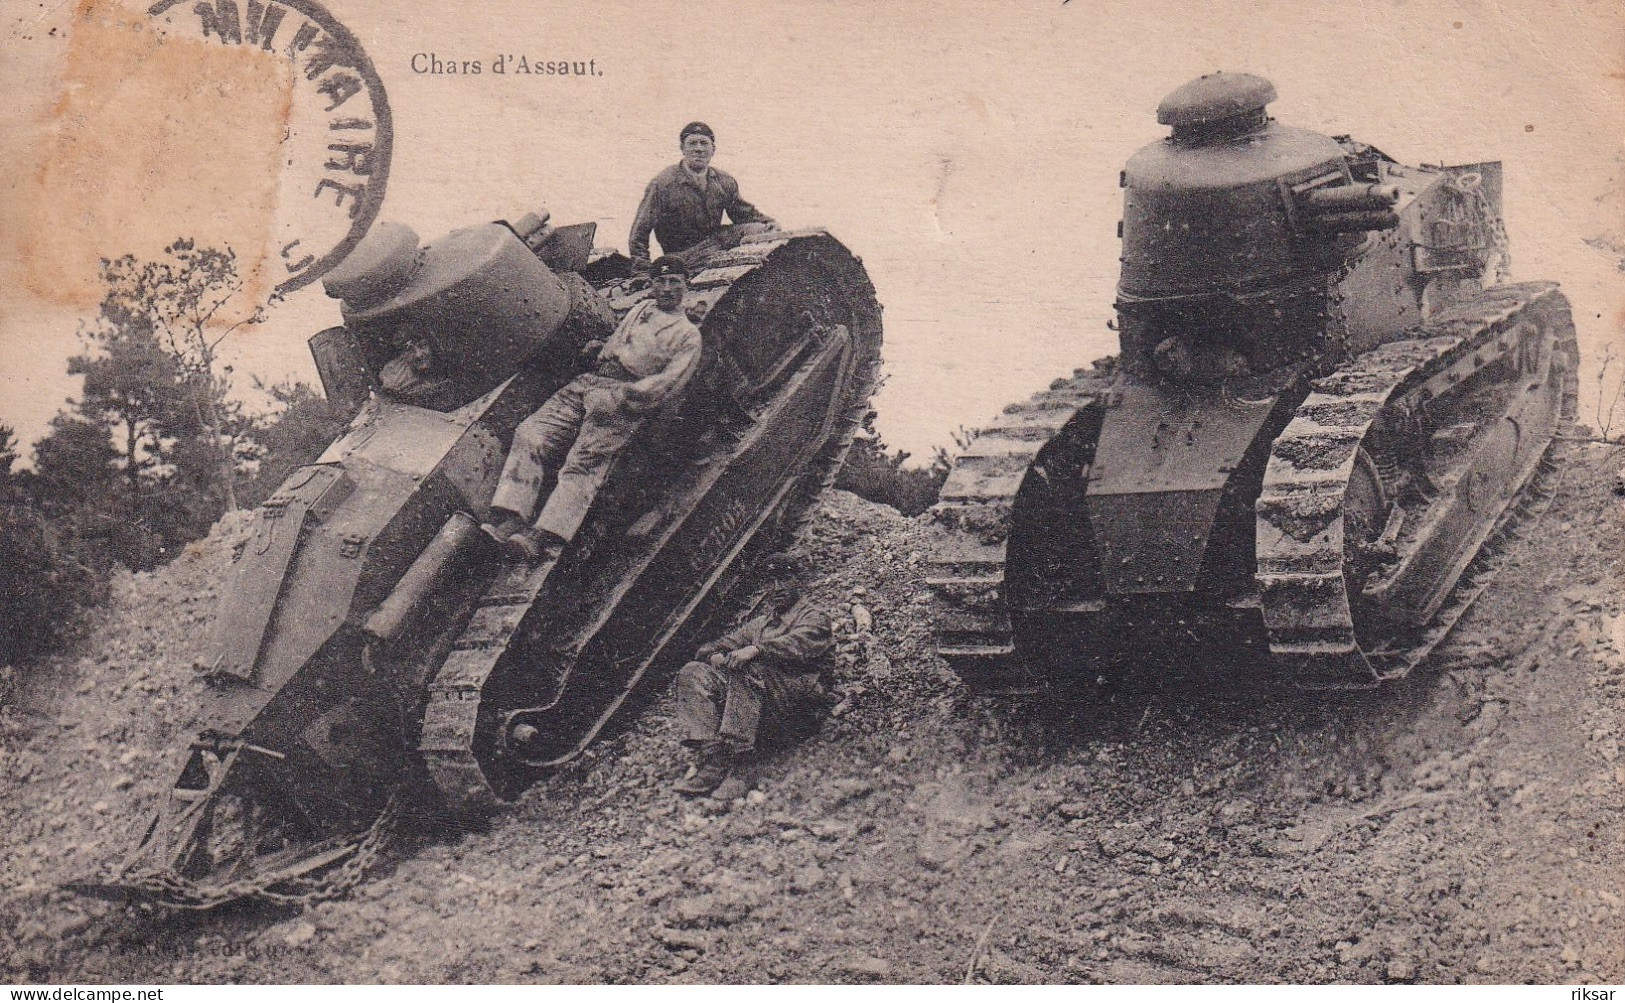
1465,826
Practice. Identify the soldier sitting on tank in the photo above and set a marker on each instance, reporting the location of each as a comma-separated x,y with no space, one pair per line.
759,681
683,207
649,359
418,375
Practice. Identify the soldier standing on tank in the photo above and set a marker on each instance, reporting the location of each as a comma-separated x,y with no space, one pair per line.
650,357
683,207
760,679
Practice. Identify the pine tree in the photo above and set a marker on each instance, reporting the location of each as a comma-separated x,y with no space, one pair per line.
135,388
187,300
78,483
10,482
150,454
43,579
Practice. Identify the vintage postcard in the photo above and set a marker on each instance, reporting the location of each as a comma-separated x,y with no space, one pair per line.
972,492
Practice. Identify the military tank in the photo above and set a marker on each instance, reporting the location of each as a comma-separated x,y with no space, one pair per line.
374,650
1327,409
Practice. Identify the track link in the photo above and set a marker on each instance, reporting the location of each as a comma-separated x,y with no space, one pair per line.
967,562
451,717
1308,607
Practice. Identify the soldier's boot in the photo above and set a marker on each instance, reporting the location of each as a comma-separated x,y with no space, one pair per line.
503,525
715,765
535,545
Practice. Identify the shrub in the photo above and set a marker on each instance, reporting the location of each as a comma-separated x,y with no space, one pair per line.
43,584
878,474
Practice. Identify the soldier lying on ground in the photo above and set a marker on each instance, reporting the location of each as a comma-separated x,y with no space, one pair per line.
683,207
650,357
758,681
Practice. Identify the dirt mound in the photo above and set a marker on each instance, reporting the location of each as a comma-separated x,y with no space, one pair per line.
1461,827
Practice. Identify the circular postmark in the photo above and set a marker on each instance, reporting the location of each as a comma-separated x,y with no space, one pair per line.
335,133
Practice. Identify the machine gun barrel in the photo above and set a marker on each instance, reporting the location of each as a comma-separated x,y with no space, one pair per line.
1349,208
1355,222
1352,198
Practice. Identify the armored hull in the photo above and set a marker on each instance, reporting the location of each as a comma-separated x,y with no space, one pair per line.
375,650
1328,407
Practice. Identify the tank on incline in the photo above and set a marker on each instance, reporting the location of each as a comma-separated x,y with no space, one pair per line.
371,647
1326,409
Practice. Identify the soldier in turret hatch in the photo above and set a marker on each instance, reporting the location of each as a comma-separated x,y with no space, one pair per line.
762,680
650,357
683,207
418,375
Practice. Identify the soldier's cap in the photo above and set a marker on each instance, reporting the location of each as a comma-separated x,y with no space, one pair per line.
668,264
696,128
780,587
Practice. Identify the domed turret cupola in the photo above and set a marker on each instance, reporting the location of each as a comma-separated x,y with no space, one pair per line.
381,266
1216,107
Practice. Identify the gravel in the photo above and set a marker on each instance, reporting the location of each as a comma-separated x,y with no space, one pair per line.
1461,826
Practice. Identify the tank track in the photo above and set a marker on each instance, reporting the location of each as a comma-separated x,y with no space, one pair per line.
826,467
966,565
710,285
1308,609
451,718
447,742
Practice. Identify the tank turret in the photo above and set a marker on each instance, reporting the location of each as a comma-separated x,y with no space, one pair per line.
1232,226
480,300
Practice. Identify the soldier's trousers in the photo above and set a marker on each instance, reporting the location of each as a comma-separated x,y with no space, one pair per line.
583,426
738,704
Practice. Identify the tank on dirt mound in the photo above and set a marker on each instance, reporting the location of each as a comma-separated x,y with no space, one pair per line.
1326,410
373,650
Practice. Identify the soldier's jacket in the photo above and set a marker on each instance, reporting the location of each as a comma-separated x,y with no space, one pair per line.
659,350
792,643
681,213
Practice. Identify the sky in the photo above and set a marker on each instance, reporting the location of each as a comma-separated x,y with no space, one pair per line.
968,152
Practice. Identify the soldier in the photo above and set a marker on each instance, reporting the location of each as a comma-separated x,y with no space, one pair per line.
683,207
759,679
650,357
418,375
